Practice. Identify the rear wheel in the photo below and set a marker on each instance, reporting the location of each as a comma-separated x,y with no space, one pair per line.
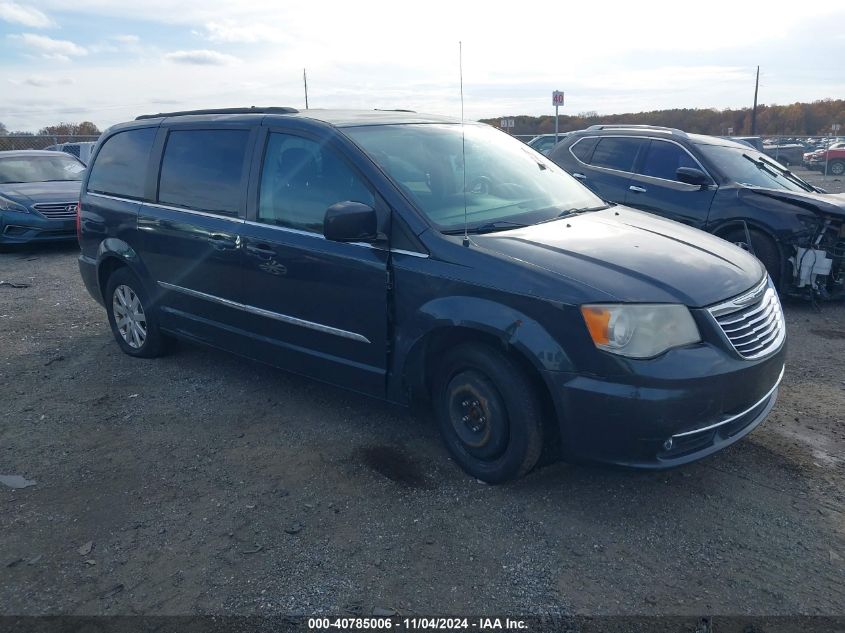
132,321
763,248
488,413
837,167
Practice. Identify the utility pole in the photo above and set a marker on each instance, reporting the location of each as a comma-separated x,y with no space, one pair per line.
305,82
754,111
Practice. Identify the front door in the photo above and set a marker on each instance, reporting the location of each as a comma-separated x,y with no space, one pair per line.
317,307
655,186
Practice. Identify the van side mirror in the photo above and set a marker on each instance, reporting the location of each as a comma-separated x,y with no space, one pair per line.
692,176
350,222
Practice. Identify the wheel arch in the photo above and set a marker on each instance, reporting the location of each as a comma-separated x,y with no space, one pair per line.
113,254
733,225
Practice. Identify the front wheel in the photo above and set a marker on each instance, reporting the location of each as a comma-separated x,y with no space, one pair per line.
131,317
837,167
488,413
763,247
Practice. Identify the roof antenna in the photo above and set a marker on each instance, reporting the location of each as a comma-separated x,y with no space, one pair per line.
305,82
463,141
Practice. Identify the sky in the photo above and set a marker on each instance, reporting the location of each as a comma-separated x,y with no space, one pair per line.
107,61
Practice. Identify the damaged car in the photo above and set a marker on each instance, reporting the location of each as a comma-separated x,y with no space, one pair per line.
726,188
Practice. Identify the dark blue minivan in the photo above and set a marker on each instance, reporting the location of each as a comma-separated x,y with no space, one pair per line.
403,256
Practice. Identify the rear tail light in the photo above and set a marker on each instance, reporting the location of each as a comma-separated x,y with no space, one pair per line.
78,221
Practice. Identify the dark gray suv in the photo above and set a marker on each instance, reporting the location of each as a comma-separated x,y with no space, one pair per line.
723,187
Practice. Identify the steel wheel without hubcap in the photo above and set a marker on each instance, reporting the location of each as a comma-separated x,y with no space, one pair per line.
488,412
129,317
478,415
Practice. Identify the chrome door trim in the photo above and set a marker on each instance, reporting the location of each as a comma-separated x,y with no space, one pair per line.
284,318
219,216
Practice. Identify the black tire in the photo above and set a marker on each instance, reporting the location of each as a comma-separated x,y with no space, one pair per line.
488,413
122,289
764,247
837,168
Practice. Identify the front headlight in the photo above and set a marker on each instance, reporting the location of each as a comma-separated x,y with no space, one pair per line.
10,205
640,330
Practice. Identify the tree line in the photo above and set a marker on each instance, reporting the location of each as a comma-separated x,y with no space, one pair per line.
60,130
797,119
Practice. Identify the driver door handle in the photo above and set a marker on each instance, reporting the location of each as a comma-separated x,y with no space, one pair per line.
637,189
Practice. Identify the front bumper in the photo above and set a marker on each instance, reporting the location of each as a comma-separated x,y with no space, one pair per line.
698,402
23,228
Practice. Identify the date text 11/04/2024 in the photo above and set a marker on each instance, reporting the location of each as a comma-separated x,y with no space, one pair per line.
482,624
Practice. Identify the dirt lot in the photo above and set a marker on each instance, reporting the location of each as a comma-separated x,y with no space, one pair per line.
204,483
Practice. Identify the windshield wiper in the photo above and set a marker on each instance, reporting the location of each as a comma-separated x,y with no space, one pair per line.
496,225
575,211
777,170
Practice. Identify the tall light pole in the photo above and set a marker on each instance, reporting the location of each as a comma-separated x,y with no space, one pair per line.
305,83
754,111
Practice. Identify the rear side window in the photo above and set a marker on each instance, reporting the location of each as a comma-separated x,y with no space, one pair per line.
121,165
204,170
583,149
663,160
301,179
617,153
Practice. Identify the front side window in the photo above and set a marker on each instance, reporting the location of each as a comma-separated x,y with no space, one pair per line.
302,178
121,165
617,153
663,159
39,168
453,172
204,170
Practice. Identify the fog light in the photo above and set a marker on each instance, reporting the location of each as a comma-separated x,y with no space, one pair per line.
667,445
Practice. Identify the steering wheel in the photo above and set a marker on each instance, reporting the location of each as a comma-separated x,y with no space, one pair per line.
480,185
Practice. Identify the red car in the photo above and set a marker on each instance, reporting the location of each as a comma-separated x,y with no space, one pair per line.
833,156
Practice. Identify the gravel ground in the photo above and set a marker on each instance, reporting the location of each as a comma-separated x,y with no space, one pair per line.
205,483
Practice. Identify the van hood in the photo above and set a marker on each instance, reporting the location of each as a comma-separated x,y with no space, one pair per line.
28,193
632,256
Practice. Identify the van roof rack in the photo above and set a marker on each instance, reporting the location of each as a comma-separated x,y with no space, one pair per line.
251,110
394,110
631,126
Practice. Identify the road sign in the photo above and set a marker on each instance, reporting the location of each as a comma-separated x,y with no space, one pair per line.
557,98
506,123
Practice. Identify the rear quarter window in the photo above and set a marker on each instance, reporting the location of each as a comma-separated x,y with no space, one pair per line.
120,168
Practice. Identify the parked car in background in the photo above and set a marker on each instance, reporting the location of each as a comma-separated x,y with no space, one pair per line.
403,255
786,154
82,150
831,159
723,187
752,141
39,192
544,143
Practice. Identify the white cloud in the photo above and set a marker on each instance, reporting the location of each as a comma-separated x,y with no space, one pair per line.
230,31
42,81
27,16
129,40
201,57
49,47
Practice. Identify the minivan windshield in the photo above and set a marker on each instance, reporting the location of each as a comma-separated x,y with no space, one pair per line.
750,167
21,169
504,185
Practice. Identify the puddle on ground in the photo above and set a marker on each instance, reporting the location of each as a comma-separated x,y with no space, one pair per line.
16,481
394,464
827,333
